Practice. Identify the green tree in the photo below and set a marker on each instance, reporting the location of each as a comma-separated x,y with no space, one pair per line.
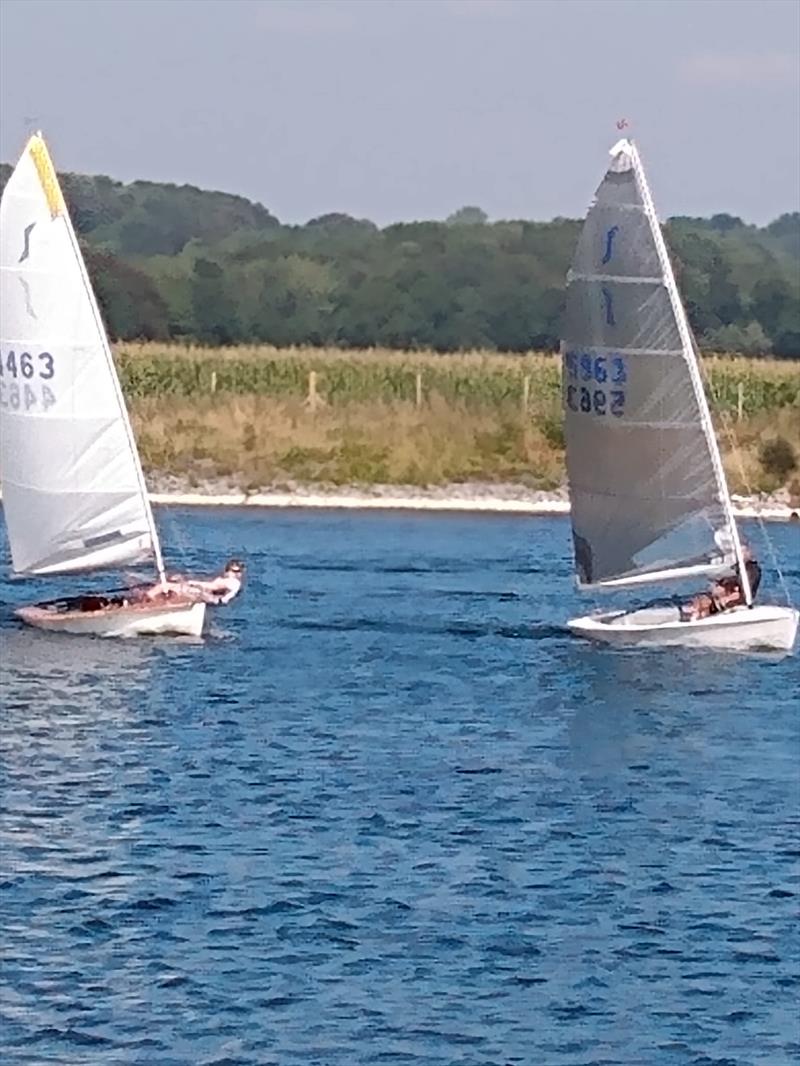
468,216
745,340
129,301
180,261
213,309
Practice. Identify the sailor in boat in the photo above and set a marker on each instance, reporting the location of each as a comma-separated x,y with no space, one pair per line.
725,593
176,589
216,590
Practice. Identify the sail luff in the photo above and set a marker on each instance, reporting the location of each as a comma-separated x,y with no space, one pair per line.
690,356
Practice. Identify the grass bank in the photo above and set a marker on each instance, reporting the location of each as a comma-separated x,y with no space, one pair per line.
267,416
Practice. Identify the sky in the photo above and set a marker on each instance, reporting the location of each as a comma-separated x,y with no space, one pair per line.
396,110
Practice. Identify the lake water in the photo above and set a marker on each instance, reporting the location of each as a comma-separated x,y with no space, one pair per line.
391,812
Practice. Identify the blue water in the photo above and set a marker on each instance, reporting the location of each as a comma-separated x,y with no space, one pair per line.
391,812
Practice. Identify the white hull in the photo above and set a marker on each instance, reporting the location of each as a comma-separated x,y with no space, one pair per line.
181,619
740,629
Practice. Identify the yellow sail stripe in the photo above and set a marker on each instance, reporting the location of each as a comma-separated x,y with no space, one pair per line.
47,175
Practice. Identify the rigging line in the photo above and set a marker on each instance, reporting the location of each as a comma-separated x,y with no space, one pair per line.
179,542
724,419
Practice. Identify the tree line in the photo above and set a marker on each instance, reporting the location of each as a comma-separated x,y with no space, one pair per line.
177,262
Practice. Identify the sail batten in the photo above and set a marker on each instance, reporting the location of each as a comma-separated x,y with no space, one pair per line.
601,349
74,494
648,496
129,550
620,279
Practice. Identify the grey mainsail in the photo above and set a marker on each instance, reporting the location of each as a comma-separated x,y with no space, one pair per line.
648,494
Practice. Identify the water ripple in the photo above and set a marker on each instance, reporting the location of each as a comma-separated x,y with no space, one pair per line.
391,812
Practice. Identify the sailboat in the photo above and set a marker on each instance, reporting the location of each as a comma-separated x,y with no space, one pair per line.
74,494
649,498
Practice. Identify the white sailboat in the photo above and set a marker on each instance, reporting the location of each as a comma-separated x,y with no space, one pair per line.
74,495
649,498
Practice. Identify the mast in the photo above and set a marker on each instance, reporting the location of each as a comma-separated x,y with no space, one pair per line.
685,333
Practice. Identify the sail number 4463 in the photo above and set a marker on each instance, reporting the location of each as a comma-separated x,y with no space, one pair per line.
595,384
22,380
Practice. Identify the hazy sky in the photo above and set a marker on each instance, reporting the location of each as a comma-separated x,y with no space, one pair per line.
405,109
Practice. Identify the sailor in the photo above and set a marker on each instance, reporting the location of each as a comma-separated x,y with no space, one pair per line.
699,606
220,589
217,590
727,592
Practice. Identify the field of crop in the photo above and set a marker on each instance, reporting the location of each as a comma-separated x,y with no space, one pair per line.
268,415
477,379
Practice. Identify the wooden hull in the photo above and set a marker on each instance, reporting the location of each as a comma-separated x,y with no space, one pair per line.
742,629
175,619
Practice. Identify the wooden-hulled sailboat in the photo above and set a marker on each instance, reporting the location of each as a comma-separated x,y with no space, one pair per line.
649,498
74,494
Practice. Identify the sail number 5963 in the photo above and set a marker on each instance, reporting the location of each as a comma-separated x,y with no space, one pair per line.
595,384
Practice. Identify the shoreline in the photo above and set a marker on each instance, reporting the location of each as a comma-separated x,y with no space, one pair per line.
464,499
503,499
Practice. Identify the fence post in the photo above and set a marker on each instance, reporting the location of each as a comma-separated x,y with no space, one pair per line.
526,393
419,389
739,401
213,381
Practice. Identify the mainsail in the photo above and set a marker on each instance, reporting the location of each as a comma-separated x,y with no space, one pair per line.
74,494
648,494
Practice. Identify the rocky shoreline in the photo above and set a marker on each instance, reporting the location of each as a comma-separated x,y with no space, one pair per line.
470,497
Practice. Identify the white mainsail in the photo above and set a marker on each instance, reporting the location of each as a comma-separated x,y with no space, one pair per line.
74,494
649,501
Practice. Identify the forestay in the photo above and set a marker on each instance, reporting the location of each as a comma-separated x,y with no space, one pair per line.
73,491
648,496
